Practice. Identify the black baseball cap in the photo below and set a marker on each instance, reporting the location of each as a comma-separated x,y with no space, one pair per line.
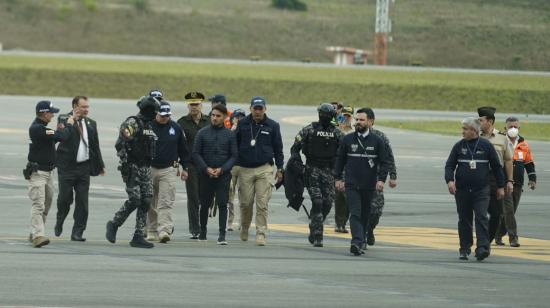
218,98
46,106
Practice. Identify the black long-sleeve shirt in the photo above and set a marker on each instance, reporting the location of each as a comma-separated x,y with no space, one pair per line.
459,165
365,160
42,145
171,146
215,147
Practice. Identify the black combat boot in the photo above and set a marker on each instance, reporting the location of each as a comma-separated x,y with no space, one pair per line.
370,238
202,235
139,241
318,241
111,231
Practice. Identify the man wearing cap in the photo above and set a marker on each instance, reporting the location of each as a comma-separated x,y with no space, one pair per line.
505,154
191,124
467,173
236,116
259,142
220,99
76,158
170,152
341,212
215,153
319,142
41,162
377,204
523,163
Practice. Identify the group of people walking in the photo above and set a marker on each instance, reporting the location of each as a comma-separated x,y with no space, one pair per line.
225,154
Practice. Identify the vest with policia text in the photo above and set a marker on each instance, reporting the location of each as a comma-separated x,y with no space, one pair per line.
140,149
321,145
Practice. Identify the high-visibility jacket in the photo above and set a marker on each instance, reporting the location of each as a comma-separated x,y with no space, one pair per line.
523,161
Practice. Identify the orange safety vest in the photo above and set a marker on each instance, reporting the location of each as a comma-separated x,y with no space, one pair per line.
522,153
227,122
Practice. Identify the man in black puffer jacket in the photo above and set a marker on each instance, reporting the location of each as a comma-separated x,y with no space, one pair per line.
215,153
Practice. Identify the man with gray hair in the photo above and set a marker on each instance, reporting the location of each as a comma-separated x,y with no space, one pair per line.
467,172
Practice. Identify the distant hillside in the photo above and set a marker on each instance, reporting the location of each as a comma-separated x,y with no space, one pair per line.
502,34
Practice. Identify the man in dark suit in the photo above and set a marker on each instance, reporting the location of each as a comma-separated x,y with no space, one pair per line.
78,157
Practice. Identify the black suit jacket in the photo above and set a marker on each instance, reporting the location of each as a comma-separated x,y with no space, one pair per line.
68,149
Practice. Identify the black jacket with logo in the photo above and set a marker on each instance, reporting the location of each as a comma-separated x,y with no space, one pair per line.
365,161
486,160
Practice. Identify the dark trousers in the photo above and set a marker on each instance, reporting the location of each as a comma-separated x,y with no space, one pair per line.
77,180
211,188
341,212
508,222
495,209
468,204
358,201
192,187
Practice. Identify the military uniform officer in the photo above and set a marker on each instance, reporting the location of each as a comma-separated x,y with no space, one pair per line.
505,154
377,204
40,167
319,142
191,124
136,149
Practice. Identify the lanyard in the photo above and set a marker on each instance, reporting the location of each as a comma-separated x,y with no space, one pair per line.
475,148
361,144
257,133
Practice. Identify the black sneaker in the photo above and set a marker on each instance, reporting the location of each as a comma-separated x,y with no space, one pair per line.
364,246
139,241
482,253
355,250
202,236
221,239
194,236
110,235
370,238
498,241
463,255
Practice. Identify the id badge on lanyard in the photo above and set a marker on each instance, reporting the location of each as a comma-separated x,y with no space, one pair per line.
473,164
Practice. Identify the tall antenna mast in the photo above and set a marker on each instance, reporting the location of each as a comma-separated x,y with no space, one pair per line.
382,28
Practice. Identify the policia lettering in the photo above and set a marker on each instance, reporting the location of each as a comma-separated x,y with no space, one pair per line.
319,142
136,149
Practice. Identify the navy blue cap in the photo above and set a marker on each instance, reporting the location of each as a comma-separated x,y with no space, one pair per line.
237,113
257,101
165,108
218,98
46,106
155,93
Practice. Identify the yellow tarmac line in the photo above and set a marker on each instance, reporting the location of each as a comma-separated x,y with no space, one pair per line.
437,238
13,131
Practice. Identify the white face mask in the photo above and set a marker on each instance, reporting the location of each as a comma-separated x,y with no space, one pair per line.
513,132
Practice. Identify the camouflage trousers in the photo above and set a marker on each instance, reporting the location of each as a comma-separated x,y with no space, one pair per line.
320,186
139,188
376,207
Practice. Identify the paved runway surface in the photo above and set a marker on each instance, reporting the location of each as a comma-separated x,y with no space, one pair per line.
413,264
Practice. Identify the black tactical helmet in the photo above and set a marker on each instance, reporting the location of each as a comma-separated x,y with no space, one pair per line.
148,102
327,109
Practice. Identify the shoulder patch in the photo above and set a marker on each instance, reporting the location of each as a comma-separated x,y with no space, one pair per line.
50,131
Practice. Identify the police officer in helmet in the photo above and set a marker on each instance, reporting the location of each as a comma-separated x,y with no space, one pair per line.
319,143
136,148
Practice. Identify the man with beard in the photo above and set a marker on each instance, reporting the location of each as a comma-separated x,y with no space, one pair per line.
136,149
363,155
319,142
